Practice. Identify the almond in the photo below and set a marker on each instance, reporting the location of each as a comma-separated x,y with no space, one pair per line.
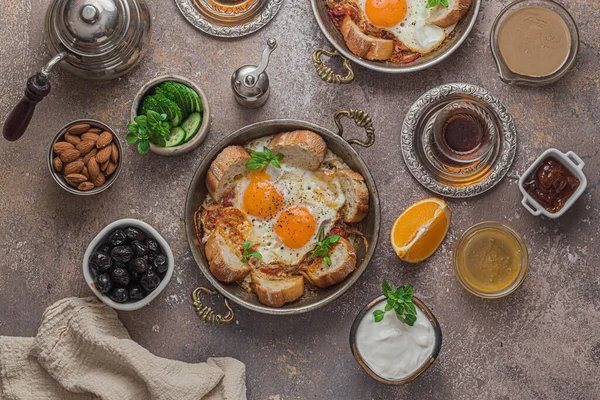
78,129
103,155
99,180
104,140
105,165
69,155
72,183
74,167
78,178
110,169
90,136
95,130
114,155
74,140
89,156
85,172
57,164
85,186
93,168
59,147
85,146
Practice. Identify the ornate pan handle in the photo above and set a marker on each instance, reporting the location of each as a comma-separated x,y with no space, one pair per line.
363,120
326,74
206,313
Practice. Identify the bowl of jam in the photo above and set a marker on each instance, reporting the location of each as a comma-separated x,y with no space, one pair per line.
553,183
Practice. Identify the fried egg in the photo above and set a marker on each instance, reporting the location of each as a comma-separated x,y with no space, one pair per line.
287,206
406,19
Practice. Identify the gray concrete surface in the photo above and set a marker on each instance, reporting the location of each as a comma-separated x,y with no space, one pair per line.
542,342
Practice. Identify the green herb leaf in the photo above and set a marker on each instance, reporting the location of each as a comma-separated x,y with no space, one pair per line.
132,137
133,128
433,3
323,246
143,146
399,300
378,314
260,159
246,256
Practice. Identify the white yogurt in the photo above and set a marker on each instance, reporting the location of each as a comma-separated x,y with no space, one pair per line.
392,349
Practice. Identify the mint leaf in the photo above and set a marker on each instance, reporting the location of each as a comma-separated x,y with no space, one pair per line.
131,138
143,146
378,314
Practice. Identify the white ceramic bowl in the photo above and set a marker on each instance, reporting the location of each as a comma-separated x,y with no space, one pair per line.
102,237
569,160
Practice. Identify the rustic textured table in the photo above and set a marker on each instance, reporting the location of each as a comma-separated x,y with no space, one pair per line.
541,342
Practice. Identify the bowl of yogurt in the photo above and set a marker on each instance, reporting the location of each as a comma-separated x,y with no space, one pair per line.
391,351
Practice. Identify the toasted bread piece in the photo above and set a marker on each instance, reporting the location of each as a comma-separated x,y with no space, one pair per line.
275,291
228,166
365,46
343,262
224,263
355,190
304,149
448,16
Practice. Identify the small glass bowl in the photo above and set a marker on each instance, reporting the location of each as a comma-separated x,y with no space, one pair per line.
432,357
524,259
510,77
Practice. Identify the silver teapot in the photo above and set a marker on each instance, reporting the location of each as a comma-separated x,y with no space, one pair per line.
94,39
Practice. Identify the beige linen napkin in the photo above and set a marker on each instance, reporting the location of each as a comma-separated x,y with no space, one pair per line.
83,351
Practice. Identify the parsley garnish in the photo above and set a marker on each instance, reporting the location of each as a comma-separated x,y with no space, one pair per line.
399,300
261,159
433,3
324,245
247,253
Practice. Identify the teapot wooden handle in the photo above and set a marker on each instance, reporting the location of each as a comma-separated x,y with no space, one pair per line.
38,87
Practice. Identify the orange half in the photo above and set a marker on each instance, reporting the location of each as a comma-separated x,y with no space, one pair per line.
420,229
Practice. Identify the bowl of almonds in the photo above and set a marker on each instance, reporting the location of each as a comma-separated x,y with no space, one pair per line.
85,157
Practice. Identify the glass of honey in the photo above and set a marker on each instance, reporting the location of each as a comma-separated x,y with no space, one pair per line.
490,260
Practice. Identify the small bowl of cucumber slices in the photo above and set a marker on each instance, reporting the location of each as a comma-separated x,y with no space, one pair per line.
170,116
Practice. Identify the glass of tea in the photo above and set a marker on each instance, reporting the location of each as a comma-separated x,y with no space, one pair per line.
464,131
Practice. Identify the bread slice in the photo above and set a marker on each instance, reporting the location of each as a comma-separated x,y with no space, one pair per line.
275,291
226,168
365,46
224,263
304,149
448,16
355,190
343,262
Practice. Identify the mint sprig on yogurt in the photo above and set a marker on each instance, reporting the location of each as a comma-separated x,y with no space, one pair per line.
399,300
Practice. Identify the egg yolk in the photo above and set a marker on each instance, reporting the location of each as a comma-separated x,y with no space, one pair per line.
385,13
295,227
261,198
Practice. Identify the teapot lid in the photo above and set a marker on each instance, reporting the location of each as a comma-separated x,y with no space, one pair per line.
90,27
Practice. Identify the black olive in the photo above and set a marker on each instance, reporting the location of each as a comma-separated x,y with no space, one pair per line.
139,248
150,257
120,277
102,261
119,295
149,281
117,238
134,233
160,264
122,253
153,246
139,266
104,248
103,283
136,293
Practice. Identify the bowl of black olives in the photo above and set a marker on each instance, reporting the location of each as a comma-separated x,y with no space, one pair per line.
128,264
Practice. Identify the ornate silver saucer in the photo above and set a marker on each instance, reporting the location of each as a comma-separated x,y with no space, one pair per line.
229,18
439,174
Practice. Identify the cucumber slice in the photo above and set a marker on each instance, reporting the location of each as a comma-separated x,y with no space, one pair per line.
191,125
183,92
169,90
176,137
196,100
